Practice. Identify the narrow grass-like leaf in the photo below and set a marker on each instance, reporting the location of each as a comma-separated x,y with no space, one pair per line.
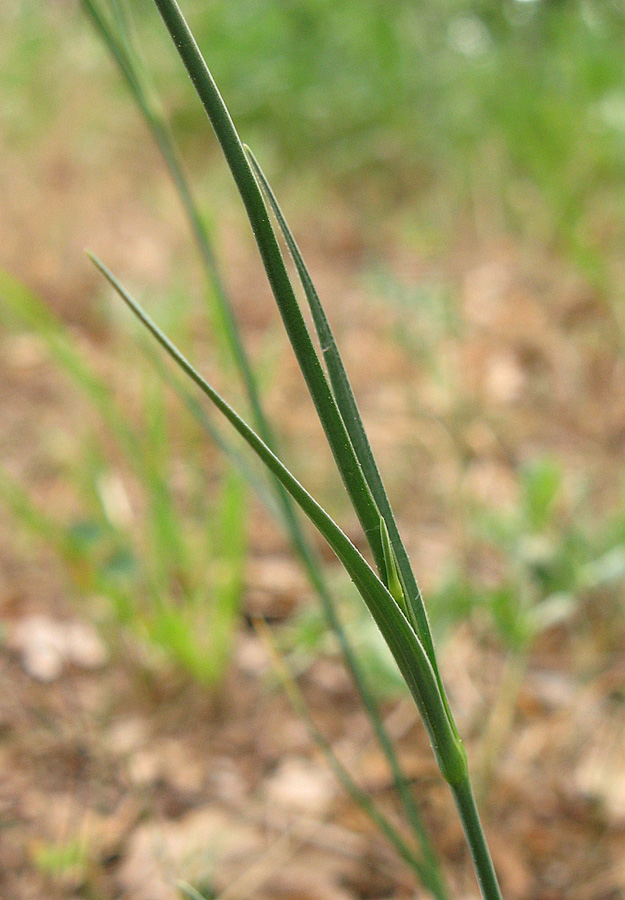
170,551
407,650
197,411
348,407
36,520
30,311
258,215
229,544
189,891
419,672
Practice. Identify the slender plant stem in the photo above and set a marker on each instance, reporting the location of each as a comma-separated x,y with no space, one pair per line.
122,52
258,214
474,833
348,407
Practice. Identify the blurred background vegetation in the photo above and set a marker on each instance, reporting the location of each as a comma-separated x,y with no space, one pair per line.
456,171
442,127
491,116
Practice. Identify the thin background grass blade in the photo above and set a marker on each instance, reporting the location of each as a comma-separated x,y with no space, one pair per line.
56,534
300,706
31,311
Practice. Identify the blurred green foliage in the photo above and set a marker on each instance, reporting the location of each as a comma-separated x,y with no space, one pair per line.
157,543
497,114
492,114
548,557
512,110
536,565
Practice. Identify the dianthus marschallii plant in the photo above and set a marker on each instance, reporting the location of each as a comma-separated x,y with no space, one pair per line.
388,587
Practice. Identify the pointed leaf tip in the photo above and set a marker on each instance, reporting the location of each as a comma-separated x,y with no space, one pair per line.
393,581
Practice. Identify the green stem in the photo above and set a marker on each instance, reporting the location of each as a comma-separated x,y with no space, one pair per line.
269,249
413,660
223,307
470,818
